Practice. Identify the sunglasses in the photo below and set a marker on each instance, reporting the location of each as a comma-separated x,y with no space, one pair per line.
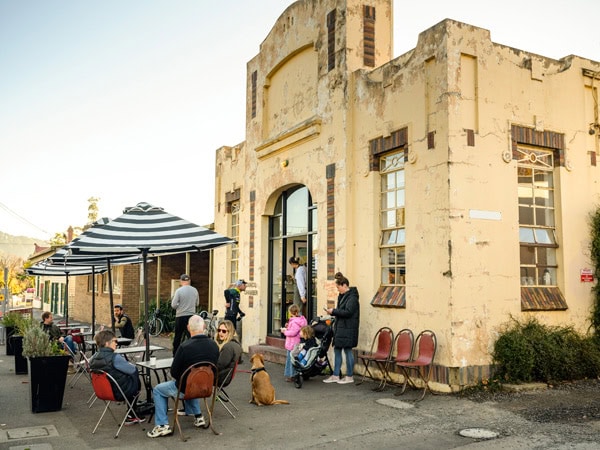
114,340
220,330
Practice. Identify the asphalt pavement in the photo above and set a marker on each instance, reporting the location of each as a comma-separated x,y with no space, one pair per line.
338,416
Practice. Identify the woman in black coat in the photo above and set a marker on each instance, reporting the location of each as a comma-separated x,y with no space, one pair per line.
345,334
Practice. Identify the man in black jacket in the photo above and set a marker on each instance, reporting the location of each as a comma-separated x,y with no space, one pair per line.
123,322
196,349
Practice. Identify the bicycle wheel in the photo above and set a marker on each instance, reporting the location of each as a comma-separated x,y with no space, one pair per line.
155,326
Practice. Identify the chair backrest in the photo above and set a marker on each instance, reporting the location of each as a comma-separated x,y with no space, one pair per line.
102,386
138,339
404,345
427,345
230,376
69,351
384,339
199,380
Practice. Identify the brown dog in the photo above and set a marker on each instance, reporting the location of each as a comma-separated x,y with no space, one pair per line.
263,392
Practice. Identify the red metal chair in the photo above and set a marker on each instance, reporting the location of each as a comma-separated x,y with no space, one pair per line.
202,386
402,352
103,384
381,349
421,364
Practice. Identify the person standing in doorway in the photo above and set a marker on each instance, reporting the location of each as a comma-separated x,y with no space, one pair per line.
301,279
185,301
345,333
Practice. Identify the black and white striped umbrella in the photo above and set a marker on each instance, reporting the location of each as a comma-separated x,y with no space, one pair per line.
149,229
145,230
47,269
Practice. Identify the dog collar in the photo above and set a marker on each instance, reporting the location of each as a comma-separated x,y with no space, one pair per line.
255,371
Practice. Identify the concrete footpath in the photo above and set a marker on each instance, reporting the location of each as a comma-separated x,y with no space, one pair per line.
319,414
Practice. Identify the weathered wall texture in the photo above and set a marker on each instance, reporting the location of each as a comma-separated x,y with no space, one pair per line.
458,94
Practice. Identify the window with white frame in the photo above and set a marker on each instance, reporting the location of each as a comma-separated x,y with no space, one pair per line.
393,236
234,233
537,236
117,277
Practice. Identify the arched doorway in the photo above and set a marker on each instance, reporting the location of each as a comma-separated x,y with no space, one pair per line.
292,232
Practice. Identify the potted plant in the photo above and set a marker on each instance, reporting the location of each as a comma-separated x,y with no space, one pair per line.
48,366
22,324
10,322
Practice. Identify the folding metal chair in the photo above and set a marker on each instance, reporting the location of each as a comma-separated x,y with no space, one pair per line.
222,397
422,364
402,352
381,349
103,384
197,382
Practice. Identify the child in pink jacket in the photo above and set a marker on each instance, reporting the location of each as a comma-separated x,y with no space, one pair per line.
292,337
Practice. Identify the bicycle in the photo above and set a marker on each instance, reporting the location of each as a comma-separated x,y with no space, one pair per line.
155,324
210,321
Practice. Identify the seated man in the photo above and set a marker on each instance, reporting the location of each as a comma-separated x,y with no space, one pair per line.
118,367
54,332
123,323
197,348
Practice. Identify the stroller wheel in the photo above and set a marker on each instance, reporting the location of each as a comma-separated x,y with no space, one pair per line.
298,381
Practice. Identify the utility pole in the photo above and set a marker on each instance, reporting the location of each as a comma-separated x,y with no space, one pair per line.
5,302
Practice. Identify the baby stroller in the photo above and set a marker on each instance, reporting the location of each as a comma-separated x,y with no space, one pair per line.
316,359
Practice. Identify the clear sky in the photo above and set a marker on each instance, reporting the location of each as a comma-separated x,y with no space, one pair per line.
128,101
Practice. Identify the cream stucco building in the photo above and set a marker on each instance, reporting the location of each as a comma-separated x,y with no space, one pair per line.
451,185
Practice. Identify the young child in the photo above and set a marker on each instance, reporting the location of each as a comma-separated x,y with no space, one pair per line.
292,337
307,341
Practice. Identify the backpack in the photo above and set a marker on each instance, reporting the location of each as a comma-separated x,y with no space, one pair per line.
199,382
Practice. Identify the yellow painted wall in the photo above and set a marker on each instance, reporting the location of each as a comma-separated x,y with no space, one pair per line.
463,277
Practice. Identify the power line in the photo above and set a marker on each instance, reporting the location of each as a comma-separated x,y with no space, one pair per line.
10,211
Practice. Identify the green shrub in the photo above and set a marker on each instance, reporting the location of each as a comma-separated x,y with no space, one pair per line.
530,351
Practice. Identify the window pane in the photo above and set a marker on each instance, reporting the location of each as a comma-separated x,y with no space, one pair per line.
544,217
544,236
400,198
401,237
543,178
527,255
400,179
526,235
546,256
525,215
525,195
544,197
389,219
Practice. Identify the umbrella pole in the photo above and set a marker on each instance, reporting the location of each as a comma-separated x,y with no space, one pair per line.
93,300
146,333
67,299
110,295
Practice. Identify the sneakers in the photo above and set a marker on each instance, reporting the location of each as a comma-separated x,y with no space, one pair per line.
199,422
133,420
332,379
181,412
346,380
160,430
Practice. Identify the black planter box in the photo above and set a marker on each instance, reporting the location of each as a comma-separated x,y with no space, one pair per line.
47,376
20,360
9,347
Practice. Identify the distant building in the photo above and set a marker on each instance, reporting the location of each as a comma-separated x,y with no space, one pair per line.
452,185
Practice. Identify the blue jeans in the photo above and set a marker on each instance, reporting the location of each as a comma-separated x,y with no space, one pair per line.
337,365
289,370
161,394
69,341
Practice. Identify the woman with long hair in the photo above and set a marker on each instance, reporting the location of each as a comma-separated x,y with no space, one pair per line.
230,349
345,334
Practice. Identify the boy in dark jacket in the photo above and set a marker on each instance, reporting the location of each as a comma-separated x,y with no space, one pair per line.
118,367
